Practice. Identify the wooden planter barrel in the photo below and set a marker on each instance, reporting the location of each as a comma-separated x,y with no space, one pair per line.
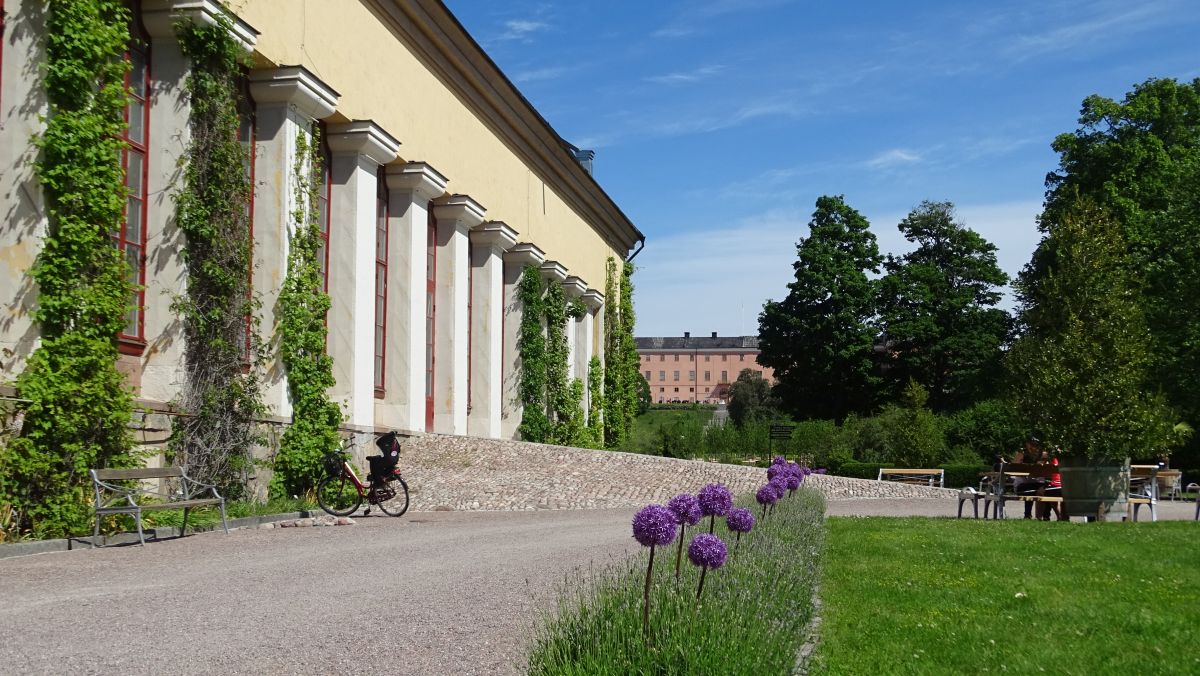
1096,488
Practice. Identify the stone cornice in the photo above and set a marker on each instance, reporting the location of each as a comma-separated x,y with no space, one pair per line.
422,180
461,209
574,287
159,18
593,299
293,86
442,43
524,254
362,137
553,271
495,234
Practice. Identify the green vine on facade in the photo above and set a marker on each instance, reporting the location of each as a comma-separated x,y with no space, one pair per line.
302,309
531,345
215,441
595,418
621,368
80,404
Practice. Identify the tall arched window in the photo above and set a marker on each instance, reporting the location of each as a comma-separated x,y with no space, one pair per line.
247,137
381,266
323,200
130,238
430,313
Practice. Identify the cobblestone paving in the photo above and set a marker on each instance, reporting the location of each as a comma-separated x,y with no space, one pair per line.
465,473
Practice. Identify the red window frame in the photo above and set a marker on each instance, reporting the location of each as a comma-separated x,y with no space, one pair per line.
381,270
430,314
131,241
248,137
3,24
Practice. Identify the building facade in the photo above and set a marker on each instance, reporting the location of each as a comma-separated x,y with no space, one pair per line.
442,183
698,370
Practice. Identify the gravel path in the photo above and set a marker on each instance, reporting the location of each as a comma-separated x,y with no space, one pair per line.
428,593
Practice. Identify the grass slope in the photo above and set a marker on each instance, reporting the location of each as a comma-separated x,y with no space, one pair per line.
929,596
684,422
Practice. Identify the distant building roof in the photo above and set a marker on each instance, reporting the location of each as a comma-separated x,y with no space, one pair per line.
698,343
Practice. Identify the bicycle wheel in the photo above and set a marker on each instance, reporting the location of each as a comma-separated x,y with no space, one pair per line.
398,504
338,495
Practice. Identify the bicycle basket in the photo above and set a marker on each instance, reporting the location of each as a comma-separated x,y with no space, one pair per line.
333,464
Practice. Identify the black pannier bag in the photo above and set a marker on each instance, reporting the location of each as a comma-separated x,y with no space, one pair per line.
382,466
333,464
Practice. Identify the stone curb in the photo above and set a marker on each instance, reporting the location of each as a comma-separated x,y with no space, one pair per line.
85,542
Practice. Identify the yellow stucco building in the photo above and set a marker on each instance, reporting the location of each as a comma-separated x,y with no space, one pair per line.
442,183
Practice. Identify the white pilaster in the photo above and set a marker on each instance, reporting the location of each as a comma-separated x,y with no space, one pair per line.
359,148
410,188
573,289
594,301
288,100
515,261
489,242
455,215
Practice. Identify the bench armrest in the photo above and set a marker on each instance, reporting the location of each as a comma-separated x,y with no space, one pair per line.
191,487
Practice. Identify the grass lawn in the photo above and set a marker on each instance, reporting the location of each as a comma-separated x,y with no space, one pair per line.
921,596
646,426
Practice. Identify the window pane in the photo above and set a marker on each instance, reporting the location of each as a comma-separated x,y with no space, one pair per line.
133,220
137,121
378,371
134,172
137,73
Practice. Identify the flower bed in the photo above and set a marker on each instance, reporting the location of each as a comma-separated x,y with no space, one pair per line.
750,616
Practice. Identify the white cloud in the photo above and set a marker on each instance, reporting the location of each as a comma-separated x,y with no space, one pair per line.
521,29
696,75
541,74
895,157
1091,31
718,280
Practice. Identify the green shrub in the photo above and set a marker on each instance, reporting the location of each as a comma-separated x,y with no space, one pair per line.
987,429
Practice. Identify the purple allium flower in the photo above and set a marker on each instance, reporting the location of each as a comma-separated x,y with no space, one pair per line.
766,495
708,551
779,483
779,460
739,520
793,481
806,471
715,500
686,509
776,470
819,471
654,525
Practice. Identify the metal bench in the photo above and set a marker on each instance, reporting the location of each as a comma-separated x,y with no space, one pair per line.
1143,490
1004,485
112,498
920,477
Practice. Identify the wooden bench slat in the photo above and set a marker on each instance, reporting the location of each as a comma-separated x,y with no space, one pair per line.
140,473
162,505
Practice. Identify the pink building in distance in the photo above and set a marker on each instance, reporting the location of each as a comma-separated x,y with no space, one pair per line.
697,369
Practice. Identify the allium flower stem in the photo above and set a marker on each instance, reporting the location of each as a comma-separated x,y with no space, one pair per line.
712,524
700,587
646,598
679,554
737,541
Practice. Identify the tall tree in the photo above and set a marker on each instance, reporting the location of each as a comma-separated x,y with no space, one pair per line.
819,339
942,328
750,398
1140,160
1079,373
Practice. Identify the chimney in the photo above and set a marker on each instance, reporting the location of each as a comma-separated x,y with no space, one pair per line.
687,334
585,157
714,334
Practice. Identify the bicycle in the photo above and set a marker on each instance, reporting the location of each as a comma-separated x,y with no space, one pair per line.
340,492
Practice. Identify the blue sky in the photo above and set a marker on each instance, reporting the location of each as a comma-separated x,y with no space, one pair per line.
717,123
